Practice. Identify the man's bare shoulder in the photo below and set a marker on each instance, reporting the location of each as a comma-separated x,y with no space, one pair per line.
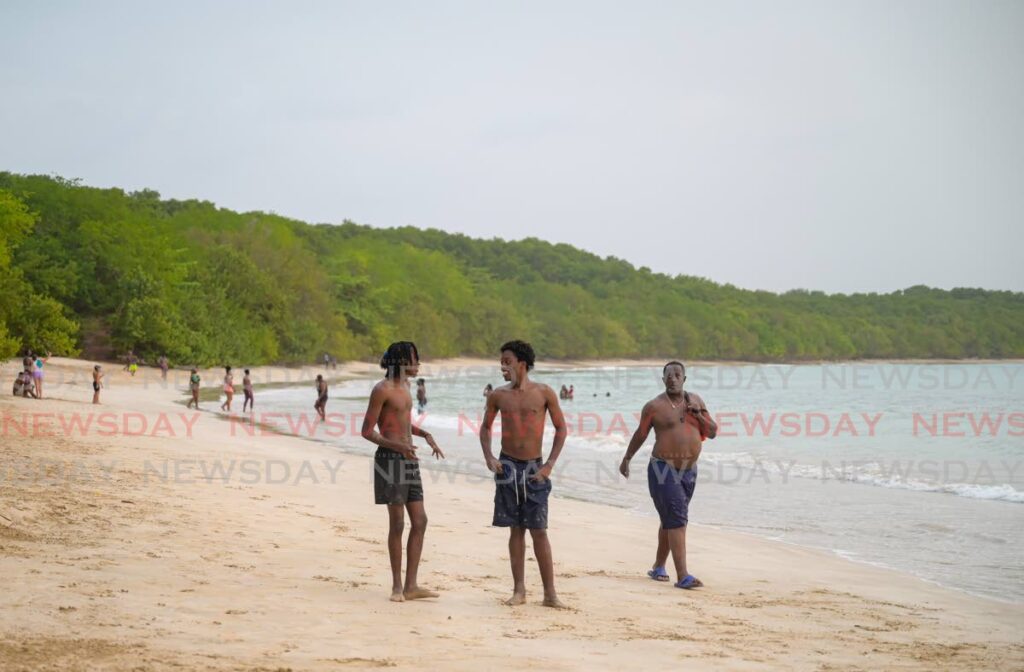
500,393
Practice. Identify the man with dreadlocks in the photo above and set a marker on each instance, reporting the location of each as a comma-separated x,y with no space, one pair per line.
396,470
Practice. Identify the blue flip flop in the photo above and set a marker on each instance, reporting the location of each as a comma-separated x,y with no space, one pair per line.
658,574
689,581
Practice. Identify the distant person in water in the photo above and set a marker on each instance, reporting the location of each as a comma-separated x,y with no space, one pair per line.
563,393
488,389
37,374
97,383
522,480
229,389
321,397
572,391
164,365
397,482
247,391
681,422
421,395
193,388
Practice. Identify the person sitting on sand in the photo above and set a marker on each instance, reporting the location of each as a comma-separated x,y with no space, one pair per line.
396,471
19,383
97,383
193,387
247,391
681,422
522,481
229,389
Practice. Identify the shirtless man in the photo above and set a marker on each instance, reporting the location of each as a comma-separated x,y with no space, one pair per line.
396,470
681,422
321,397
247,391
97,383
522,481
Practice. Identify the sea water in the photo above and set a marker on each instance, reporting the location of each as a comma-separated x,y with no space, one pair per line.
914,466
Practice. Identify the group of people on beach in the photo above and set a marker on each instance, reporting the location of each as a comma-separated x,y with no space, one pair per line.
522,476
29,382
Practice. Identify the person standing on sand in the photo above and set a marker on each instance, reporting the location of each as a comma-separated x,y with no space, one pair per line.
396,471
681,422
247,391
97,383
193,387
164,365
37,374
229,389
522,481
321,397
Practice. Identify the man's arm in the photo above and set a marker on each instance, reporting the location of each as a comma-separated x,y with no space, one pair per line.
643,430
558,420
700,411
373,409
490,411
428,437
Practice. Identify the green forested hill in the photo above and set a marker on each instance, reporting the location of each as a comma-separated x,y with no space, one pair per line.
109,270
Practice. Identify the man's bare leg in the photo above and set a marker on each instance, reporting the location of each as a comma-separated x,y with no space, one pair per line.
661,555
542,550
517,558
396,525
413,551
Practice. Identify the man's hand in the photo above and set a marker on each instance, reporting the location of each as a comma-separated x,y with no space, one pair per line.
624,467
433,447
408,452
543,474
494,464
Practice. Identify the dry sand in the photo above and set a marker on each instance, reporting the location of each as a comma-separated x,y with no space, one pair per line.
107,565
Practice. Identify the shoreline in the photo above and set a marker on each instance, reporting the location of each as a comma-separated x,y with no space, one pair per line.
128,572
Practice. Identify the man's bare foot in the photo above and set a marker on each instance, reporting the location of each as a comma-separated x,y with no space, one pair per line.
518,597
396,596
418,593
554,602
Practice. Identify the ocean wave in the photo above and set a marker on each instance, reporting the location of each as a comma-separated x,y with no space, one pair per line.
865,475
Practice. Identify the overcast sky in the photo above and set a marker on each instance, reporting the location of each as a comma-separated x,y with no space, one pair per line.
853,146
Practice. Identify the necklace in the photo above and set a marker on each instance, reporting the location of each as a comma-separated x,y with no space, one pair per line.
674,406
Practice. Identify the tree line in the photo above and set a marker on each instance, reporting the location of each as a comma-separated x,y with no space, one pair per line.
102,271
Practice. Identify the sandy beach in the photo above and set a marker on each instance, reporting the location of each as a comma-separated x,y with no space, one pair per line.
121,548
